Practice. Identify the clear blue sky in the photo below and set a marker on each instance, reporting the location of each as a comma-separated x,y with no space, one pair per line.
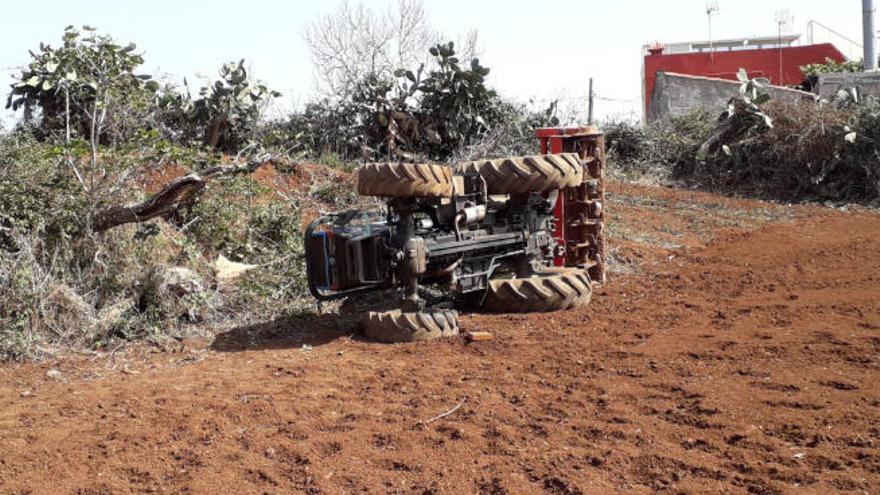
536,49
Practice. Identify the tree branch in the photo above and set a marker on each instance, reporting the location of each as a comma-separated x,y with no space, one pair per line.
179,192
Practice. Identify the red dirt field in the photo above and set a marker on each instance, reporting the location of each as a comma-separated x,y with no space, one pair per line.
735,349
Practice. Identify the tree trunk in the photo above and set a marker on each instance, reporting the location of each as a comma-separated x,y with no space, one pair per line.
179,192
214,131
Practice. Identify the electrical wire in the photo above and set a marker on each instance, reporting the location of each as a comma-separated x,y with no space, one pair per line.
585,98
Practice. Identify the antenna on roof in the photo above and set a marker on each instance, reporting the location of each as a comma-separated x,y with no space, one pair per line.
784,19
712,8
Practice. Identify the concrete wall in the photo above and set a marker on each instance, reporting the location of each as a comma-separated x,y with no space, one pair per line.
676,94
726,64
866,83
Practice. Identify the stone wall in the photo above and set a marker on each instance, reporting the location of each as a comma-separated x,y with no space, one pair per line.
865,83
676,94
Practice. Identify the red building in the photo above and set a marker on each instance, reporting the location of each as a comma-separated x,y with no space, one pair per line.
760,57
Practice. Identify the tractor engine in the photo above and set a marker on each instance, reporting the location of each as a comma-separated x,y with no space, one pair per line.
458,242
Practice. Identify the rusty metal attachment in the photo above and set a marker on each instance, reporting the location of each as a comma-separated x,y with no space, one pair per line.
579,211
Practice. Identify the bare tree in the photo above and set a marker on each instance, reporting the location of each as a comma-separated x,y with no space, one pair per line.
468,45
355,41
414,33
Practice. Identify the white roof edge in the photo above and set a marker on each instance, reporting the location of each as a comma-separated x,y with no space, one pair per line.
785,37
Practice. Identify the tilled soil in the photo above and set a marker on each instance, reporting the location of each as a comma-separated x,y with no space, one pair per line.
735,349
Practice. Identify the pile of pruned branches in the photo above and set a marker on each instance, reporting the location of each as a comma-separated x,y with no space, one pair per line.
807,150
796,150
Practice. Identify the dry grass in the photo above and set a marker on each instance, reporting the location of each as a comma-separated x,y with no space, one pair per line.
645,222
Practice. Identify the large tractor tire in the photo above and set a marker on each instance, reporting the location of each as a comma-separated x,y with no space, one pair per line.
525,174
551,291
401,180
398,326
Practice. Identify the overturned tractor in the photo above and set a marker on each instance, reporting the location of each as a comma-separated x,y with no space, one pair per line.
520,234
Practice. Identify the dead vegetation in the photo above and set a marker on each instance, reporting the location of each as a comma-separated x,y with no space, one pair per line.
824,151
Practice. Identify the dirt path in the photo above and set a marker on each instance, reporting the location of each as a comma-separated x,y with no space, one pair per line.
713,362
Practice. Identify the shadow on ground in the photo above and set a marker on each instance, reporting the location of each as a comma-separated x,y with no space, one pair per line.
286,333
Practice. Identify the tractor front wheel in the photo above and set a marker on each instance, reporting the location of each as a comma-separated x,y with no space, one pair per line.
547,291
400,326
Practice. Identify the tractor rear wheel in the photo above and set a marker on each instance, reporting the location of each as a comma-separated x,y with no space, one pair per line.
401,180
399,326
525,174
547,291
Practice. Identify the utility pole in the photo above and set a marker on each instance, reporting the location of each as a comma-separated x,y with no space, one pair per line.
590,104
868,39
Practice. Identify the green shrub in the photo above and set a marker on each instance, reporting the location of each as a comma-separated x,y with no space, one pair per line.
247,222
224,116
62,285
675,142
511,130
82,291
625,141
89,77
832,66
668,145
811,152
333,160
431,112
37,188
814,152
